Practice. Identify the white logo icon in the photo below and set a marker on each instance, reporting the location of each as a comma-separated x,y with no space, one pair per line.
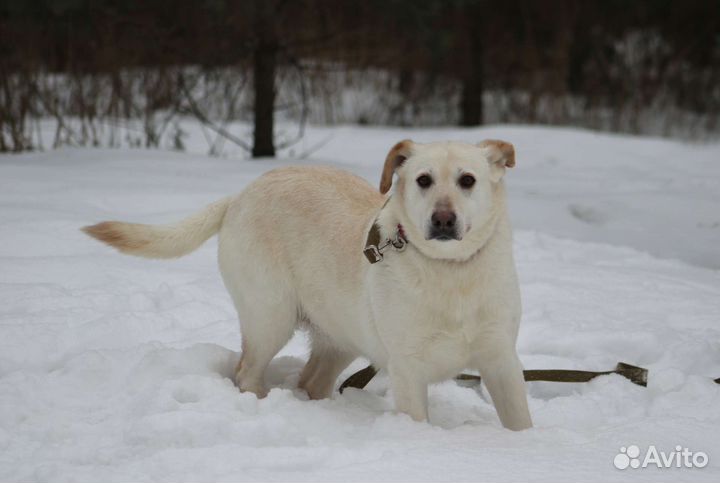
629,457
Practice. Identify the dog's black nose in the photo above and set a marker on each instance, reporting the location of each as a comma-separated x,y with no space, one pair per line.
443,219
444,226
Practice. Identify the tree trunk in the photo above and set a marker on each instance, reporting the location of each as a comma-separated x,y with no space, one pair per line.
264,65
471,102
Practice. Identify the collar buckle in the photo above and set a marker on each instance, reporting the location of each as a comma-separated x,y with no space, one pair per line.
399,243
374,253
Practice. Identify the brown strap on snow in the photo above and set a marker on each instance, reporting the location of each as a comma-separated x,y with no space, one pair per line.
636,375
360,379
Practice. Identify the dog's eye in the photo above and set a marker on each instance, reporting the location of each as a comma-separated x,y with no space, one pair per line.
466,181
424,181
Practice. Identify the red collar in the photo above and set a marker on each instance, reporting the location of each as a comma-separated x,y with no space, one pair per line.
401,231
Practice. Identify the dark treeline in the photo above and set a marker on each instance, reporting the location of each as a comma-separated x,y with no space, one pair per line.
89,64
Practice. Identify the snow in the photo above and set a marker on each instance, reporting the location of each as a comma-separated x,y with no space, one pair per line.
114,368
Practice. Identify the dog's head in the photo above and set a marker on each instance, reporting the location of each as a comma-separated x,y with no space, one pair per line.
446,191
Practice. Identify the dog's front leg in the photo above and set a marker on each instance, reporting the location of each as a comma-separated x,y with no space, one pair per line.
409,390
502,374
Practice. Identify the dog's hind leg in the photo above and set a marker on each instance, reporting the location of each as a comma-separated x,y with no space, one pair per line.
266,327
324,366
265,300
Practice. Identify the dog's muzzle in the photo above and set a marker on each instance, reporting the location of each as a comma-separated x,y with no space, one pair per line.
443,226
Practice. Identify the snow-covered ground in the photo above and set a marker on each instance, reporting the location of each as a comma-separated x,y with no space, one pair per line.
116,369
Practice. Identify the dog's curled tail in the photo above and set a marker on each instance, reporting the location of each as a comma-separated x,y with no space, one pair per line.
162,241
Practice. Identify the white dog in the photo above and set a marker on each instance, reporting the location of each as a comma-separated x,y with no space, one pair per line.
422,283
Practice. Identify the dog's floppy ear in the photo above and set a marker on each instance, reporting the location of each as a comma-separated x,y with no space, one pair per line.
395,158
500,155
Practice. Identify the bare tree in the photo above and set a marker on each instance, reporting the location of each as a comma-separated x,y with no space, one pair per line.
265,54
